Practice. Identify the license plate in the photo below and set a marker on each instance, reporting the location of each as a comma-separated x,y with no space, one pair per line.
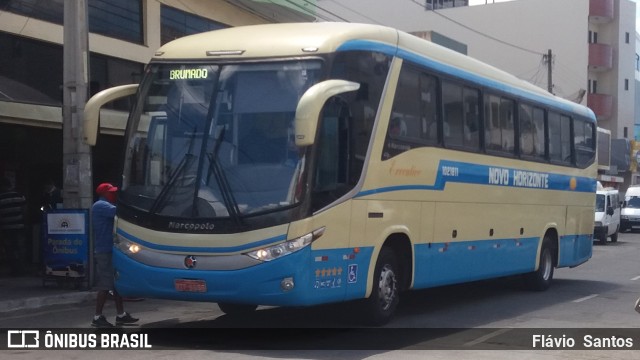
188,285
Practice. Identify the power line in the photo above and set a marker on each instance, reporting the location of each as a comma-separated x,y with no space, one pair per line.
575,75
317,7
248,9
478,32
355,12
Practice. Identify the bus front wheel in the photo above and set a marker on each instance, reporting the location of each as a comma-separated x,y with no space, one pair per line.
385,295
235,309
540,279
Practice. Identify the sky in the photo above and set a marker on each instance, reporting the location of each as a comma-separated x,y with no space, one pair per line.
479,2
637,16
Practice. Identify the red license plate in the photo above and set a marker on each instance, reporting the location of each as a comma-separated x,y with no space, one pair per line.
188,285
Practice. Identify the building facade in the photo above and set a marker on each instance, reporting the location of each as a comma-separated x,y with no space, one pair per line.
123,35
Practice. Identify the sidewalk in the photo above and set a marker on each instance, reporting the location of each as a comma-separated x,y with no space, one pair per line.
28,292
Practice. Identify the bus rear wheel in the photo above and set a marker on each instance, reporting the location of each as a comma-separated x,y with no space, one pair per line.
385,295
236,309
540,279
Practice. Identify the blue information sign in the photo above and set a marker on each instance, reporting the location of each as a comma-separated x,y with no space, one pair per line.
66,243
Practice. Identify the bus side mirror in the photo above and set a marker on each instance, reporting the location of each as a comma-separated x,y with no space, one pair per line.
310,105
93,106
609,211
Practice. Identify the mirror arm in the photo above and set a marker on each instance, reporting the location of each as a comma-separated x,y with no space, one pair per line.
311,104
93,106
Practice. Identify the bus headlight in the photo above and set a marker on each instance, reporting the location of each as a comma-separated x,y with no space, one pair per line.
287,247
126,246
598,224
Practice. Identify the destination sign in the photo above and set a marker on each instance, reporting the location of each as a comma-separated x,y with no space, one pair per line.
186,74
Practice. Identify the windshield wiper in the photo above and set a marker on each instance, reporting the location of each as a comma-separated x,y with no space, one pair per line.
162,197
184,164
225,190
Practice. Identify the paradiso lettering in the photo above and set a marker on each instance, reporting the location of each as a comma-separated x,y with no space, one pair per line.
519,178
184,74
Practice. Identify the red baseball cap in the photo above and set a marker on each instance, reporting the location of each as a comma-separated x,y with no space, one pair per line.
105,188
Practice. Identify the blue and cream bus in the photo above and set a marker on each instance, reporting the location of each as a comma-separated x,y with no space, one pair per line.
303,164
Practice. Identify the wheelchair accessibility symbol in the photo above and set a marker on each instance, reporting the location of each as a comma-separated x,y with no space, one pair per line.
352,274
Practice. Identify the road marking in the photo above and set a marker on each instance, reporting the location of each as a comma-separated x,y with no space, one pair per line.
585,298
636,278
486,337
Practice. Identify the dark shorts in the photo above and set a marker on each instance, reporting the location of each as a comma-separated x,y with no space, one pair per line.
103,279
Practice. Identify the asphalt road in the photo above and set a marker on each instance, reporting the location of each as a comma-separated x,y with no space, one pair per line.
595,299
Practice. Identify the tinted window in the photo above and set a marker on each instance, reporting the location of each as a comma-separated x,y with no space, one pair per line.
531,131
460,115
584,142
559,138
176,24
413,121
499,124
108,71
31,71
347,125
120,19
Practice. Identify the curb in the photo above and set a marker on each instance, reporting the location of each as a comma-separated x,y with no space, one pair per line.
31,303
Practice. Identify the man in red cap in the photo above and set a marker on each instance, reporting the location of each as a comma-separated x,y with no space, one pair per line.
103,212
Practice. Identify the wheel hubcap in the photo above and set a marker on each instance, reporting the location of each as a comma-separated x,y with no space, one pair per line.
387,286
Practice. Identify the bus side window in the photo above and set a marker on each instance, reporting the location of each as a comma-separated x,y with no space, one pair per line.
331,171
559,138
507,111
493,136
531,130
453,114
471,118
538,133
413,120
499,124
583,142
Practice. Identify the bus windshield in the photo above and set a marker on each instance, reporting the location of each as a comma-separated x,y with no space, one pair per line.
207,141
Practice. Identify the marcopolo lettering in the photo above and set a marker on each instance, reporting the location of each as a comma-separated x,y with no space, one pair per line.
185,74
174,225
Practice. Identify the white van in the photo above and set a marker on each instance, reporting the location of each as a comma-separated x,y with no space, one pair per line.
607,216
630,216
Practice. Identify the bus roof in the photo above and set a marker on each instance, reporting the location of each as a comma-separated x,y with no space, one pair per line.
274,40
304,39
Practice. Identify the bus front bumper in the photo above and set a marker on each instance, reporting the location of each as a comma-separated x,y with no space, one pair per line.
269,283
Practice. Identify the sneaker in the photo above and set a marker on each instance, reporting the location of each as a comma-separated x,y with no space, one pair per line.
101,322
126,319
638,305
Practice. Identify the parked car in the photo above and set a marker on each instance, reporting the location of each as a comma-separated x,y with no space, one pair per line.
630,215
607,215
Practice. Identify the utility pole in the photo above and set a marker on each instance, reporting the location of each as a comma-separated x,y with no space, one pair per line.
76,158
549,60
